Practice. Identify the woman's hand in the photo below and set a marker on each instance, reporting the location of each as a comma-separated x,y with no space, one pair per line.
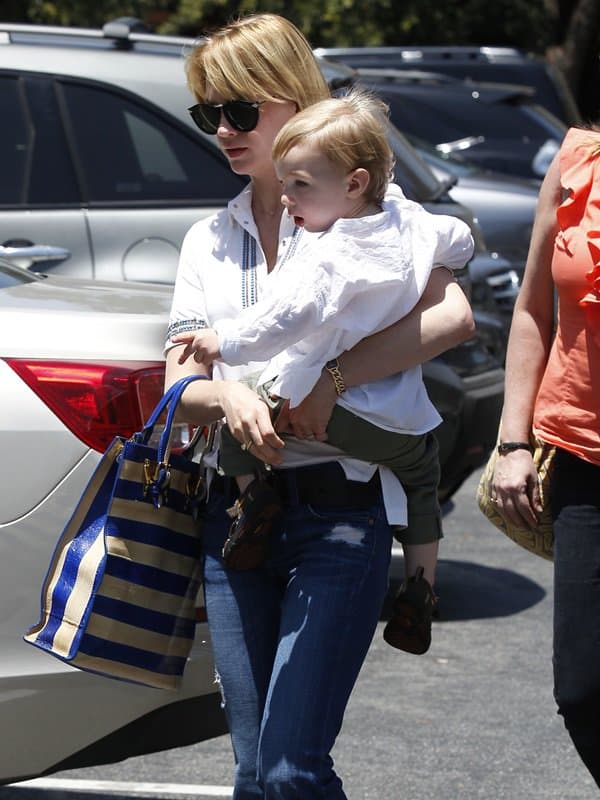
310,419
249,420
247,415
516,489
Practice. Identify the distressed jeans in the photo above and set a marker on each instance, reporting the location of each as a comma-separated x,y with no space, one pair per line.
575,500
289,640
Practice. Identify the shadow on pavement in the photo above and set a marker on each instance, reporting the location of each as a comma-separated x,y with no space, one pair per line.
472,591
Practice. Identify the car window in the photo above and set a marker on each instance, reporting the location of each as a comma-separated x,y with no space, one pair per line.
129,154
446,117
35,163
15,143
52,179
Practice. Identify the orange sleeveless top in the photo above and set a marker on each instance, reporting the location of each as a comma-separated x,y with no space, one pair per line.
567,409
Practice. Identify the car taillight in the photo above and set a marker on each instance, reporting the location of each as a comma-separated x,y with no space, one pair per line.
95,401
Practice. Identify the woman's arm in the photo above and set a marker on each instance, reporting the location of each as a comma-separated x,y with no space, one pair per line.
515,481
203,402
441,319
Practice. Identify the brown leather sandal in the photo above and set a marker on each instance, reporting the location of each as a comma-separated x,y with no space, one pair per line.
414,607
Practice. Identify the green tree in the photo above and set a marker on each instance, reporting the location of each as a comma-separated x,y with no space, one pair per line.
374,22
83,13
576,50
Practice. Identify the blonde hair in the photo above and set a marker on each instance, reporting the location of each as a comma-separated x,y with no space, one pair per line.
350,131
258,57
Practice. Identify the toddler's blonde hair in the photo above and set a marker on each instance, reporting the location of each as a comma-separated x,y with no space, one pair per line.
350,131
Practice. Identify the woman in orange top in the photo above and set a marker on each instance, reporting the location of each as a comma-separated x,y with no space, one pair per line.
554,384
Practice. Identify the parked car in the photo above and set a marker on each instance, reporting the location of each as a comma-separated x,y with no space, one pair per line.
503,205
80,361
496,126
471,63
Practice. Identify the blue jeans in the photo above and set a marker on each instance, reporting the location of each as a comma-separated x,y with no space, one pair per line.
575,497
289,640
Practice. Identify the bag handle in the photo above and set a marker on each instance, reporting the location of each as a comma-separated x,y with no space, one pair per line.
170,401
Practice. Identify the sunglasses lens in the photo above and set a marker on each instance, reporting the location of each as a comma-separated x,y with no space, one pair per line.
206,117
242,114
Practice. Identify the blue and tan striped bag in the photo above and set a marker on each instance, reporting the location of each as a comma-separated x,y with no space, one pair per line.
120,593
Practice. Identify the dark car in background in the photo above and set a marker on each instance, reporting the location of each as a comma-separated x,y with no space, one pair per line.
503,205
496,126
471,63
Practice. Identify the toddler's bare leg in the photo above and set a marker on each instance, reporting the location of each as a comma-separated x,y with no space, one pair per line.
421,555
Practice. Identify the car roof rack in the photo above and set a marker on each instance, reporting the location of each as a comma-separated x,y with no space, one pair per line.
446,53
124,33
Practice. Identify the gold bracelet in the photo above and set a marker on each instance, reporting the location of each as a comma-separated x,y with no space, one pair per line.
333,368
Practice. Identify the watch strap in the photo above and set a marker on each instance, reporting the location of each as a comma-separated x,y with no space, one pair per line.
333,368
509,447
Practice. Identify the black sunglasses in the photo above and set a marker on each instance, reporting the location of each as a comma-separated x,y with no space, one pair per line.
241,115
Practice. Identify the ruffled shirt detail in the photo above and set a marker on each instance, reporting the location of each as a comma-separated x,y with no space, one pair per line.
581,209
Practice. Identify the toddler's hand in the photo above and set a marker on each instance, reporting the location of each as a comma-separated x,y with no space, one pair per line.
203,344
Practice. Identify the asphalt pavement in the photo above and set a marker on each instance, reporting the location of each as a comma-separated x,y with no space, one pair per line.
473,718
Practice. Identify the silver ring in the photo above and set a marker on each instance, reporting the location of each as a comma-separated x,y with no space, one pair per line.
247,445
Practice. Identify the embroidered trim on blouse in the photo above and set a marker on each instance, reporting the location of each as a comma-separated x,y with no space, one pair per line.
249,275
249,280
184,326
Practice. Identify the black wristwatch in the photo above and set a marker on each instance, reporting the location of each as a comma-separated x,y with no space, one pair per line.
509,447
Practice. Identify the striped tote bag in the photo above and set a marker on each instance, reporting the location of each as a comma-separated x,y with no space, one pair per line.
120,593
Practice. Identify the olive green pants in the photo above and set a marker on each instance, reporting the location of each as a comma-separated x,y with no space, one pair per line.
413,460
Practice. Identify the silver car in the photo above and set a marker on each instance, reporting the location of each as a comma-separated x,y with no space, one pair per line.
101,153
79,362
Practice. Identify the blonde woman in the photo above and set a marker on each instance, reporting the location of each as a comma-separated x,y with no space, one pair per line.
553,383
366,269
289,638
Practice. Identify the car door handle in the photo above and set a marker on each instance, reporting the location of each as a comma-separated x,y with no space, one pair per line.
32,255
